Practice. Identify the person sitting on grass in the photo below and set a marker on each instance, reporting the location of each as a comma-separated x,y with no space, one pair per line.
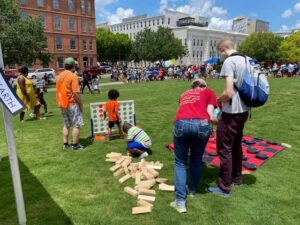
111,107
139,142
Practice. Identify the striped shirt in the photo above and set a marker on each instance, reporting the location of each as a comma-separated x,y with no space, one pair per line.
138,135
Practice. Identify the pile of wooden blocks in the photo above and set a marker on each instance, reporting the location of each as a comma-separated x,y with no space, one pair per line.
146,175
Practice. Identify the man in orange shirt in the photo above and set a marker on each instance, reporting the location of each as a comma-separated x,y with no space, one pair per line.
69,102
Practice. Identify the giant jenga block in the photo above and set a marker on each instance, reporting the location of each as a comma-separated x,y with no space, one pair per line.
154,166
115,167
125,178
131,191
119,172
113,155
165,187
161,180
137,177
141,210
146,198
126,162
144,191
153,172
144,203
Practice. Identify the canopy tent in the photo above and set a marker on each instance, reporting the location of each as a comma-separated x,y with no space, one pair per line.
211,60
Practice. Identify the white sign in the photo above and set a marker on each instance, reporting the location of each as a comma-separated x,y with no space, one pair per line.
8,97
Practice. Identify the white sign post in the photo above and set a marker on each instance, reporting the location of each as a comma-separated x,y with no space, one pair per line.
11,105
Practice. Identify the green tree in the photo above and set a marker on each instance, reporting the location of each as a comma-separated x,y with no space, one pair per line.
264,46
112,47
290,48
22,40
157,46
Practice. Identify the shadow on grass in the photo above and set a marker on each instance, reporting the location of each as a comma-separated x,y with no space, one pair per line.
86,141
39,205
210,174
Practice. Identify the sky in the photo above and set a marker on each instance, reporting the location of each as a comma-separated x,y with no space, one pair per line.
283,15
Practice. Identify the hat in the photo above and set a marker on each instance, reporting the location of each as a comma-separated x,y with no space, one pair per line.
70,61
201,81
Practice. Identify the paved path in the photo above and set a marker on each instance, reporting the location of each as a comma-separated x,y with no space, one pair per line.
102,85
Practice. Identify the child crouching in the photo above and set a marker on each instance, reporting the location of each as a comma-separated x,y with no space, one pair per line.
139,142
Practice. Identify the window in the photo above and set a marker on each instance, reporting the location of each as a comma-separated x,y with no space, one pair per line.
40,3
201,54
194,41
149,23
210,42
58,43
73,43
141,24
91,61
162,21
215,44
91,44
121,28
55,4
130,26
157,21
201,42
60,62
89,7
57,23
127,26
84,47
169,20
23,2
83,25
90,27
197,54
153,22
134,26
82,6
185,42
137,25
193,54
72,24
145,23
71,5
24,15
197,42
42,19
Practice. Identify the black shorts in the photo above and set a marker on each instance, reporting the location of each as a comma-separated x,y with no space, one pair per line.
111,124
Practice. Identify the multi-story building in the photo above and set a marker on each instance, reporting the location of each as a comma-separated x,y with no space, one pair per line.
69,26
200,40
245,25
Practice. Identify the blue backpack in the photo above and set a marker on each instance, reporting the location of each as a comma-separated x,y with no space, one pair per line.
254,89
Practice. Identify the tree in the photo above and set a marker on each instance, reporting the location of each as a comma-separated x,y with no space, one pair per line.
157,46
112,47
22,39
263,46
290,48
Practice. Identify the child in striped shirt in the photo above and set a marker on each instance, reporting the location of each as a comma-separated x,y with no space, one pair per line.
139,142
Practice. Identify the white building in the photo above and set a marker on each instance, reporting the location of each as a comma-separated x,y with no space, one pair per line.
245,25
200,41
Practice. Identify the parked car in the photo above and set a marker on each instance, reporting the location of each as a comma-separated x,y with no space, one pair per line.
106,68
10,74
40,73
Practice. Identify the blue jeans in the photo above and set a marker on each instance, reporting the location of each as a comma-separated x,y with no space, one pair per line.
190,136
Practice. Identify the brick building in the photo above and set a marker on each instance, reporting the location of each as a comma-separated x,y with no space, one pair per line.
69,26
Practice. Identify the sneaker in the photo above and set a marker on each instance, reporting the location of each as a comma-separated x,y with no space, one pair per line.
218,191
180,209
237,184
77,147
190,193
149,151
144,155
66,146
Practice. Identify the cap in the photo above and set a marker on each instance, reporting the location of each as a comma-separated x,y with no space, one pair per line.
70,61
201,81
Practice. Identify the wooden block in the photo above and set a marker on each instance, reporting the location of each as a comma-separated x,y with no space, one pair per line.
126,170
141,210
119,172
153,172
143,191
148,176
113,155
146,198
120,160
155,167
138,177
147,184
165,187
114,168
126,162
144,203
131,191
161,180
123,179
286,145
111,160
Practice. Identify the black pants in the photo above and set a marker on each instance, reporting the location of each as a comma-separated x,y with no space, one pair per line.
86,84
229,145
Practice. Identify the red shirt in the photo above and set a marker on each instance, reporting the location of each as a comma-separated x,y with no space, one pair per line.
194,102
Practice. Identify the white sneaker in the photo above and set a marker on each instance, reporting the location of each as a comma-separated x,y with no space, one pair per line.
144,155
180,209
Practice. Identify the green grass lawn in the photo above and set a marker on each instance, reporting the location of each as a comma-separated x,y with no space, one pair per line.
66,187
